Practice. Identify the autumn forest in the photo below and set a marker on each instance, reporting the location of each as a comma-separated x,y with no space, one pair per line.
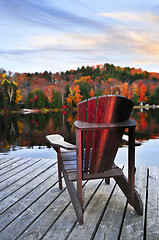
64,90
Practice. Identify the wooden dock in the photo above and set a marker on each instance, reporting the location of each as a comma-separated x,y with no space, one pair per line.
32,207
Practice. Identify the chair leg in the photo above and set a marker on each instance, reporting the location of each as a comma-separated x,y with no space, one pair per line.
59,168
74,197
107,180
137,204
128,186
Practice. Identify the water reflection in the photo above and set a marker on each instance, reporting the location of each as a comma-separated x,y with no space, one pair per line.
31,129
18,131
147,124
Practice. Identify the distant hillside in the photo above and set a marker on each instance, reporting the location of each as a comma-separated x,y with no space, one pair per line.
70,87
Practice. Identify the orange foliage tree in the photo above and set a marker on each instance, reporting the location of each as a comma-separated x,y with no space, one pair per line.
74,96
142,91
48,92
91,93
125,89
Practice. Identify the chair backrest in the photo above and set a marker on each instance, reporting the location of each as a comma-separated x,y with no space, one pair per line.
100,146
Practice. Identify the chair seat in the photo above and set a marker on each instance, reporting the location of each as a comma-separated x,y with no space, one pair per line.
70,165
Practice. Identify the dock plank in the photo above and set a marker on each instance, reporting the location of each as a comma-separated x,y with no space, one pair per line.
22,167
133,227
152,223
29,210
4,159
32,171
16,164
93,213
28,196
111,222
8,161
33,207
67,223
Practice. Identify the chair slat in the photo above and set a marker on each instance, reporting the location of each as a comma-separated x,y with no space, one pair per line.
119,110
82,115
124,106
111,138
82,106
89,134
97,134
108,114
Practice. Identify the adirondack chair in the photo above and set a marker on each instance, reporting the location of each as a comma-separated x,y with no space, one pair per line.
99,129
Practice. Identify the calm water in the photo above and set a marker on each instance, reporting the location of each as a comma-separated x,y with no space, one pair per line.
24,135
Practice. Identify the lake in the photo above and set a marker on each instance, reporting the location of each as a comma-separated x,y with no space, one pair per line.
23,135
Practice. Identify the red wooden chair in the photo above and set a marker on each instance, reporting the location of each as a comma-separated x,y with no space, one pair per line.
99,129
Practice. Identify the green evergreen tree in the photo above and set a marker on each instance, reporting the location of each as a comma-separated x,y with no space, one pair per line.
135,98
39,99
56,100
155,97
85,89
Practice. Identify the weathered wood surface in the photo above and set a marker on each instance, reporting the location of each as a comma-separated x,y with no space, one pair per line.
33,207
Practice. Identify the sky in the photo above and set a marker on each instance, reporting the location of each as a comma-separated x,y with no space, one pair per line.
60,35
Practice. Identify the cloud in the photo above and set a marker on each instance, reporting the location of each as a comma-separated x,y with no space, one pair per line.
142,43
136,33
142,61
48,14
67,41
132,16
120,41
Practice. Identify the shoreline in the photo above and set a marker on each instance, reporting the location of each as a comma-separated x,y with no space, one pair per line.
146,107
29,111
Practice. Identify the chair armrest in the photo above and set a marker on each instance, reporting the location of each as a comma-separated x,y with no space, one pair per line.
125,139
57,140
96,126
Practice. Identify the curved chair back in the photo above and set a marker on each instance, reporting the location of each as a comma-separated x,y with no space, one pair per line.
100,146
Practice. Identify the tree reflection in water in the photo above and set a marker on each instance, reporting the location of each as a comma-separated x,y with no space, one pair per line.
30,130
